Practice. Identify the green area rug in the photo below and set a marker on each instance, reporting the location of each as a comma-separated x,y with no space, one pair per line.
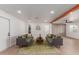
35,49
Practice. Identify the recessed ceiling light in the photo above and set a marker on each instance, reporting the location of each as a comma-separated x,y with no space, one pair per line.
52,12
19,11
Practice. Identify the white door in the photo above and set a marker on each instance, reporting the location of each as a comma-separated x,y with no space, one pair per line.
4,30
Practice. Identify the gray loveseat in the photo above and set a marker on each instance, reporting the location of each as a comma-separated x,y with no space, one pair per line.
24,40
54,40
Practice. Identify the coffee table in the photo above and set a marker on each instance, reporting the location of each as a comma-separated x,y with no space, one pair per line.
39,40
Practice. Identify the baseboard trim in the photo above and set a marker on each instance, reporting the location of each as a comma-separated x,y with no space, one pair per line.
8,48
71,37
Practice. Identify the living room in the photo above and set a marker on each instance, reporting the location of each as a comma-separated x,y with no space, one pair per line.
39,29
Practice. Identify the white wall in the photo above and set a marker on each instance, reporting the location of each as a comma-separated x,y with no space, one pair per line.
74,16
58,29
45,28
17,27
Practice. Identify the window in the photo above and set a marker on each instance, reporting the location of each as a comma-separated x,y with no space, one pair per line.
73,28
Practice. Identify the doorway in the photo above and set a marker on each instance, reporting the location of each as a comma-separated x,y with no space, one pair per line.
4,33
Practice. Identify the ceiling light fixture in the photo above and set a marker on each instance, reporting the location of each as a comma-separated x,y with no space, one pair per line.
19,11
52,12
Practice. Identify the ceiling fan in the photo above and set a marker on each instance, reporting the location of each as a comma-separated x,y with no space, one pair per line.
66,21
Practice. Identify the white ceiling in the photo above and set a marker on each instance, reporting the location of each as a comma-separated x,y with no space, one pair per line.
72,17
36,12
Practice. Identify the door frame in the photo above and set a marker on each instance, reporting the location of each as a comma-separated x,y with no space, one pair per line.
9,27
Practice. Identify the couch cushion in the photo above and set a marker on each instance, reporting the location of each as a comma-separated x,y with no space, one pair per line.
29,35
49,35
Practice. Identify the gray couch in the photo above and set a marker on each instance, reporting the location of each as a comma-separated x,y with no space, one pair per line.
54,40
58,41
50,38
24,40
